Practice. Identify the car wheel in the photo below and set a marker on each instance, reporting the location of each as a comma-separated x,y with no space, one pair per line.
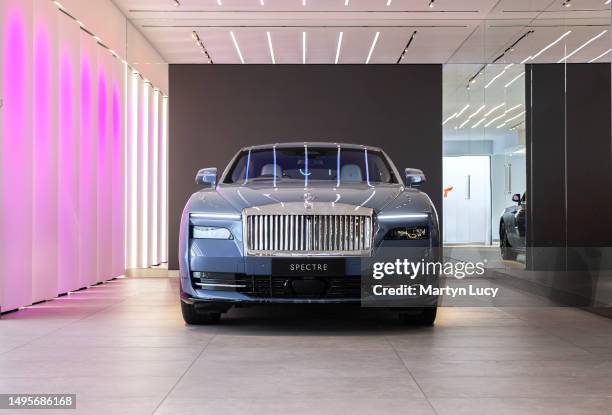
426,317
506,249
191,316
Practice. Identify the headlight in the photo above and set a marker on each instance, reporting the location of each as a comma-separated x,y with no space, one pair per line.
210,232
408,234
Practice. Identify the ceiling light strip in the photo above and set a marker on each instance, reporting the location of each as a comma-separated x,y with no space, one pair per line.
600,56
339,47
476,112
513,108
479,122
372,47
515,117
463,110
494,119
303,47
495,78
591,40
449,118
550,45
237,47
270,47
492,110
514,79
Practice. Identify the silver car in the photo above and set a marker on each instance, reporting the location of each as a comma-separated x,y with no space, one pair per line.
293,223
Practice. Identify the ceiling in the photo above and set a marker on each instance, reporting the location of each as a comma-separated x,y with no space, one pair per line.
308,31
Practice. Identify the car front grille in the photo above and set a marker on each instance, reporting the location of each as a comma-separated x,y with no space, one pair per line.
304,235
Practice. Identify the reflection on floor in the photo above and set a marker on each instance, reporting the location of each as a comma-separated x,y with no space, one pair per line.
122,347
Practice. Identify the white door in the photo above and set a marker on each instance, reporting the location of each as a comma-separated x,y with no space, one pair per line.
467,200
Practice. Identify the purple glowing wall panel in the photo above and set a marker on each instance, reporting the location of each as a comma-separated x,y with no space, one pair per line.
44,124
88,240
16,155
103,144
117,168
68,155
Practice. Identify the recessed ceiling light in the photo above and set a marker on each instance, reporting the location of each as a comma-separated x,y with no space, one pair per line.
219,2
303,47
602,55
582,46
431,4
567,3
607,1
389,2
261,2
346,2
270,47
237,47
372,47
550,45
303,2
177,3
339,46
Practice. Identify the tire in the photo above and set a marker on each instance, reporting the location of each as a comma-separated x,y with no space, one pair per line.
191,316
426,317
506,249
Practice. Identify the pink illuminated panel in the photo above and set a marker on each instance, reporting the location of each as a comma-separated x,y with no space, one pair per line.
117,168
44,122
68,156
88,243
16,155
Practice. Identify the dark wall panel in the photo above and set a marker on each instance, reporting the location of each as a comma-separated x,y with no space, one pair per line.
569,158
217,109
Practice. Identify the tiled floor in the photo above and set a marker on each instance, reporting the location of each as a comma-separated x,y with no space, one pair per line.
122,347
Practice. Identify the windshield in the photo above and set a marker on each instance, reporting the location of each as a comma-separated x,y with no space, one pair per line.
339,165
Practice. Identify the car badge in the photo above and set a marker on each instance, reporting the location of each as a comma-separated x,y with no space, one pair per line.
308,199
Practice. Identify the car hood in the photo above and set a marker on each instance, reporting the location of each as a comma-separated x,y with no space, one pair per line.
261,194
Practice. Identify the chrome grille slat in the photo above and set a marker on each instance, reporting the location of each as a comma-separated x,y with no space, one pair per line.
278,234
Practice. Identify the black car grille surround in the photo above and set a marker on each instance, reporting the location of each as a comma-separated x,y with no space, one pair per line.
292,287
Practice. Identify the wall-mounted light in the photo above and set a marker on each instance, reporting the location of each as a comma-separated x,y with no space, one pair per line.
237,47
339,47
372,47
591,40
270,47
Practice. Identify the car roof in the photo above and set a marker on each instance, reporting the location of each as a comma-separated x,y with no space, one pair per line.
311,144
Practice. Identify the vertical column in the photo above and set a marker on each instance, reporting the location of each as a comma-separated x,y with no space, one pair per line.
103,144
16,155
143,178
154,179
88,265
164,179
68,155
161,171
132,168
118,240
44,153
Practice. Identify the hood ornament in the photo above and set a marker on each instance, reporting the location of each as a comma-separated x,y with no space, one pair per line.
308,201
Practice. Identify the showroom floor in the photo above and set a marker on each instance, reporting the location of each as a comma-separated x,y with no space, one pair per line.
122,347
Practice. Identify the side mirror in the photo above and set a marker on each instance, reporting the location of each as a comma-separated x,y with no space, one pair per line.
207,177
414,177
516,198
